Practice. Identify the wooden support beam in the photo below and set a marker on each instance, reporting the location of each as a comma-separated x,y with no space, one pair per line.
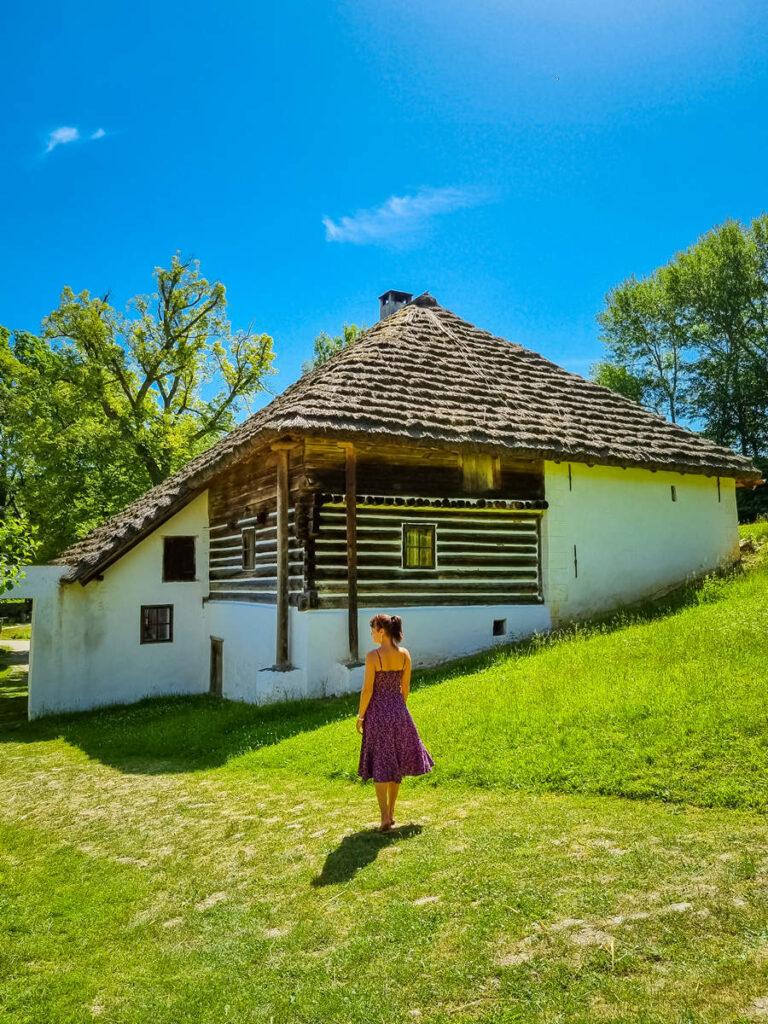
351,504
281,448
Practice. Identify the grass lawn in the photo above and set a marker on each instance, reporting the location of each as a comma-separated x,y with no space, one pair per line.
15,633
591,845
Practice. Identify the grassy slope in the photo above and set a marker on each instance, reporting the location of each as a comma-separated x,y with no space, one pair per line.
193,860
673,707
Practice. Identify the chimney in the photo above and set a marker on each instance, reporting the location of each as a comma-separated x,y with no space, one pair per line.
391,301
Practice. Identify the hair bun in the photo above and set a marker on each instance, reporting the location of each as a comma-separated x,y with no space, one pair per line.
391,624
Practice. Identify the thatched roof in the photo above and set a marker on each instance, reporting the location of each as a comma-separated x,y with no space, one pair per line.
425,376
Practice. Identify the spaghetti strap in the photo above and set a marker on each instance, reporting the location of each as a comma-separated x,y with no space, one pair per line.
404,660
381,666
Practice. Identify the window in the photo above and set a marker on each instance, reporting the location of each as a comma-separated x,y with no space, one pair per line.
178,559
418,546
674,492
249,548
156,623
499,627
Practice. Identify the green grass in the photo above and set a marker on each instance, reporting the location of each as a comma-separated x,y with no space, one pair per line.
758,530
190,859
671,707
15,632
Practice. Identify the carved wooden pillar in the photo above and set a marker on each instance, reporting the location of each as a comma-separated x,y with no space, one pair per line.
351,503
281,449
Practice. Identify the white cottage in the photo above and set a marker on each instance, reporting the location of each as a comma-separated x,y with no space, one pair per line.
431,469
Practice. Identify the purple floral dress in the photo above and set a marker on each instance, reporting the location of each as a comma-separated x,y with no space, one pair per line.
391,746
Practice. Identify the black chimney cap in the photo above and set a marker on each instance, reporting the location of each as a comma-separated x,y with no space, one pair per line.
391,301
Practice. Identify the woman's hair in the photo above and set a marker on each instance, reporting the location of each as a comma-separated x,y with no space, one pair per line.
391,624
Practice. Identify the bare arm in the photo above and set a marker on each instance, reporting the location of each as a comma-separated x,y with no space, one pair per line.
405,686
367,690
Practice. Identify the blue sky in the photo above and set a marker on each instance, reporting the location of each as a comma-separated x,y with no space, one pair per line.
516,159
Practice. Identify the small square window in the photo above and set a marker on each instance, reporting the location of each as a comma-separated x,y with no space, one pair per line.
178,559
499,627
418,546
156,623
249,548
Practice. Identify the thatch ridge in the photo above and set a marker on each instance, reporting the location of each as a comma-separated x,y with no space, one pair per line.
426,376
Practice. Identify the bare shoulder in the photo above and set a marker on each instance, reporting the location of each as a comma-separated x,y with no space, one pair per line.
407,653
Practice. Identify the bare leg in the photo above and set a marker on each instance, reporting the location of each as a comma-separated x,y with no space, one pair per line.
392,788
381,795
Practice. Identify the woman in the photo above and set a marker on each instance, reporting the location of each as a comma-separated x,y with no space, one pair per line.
391,746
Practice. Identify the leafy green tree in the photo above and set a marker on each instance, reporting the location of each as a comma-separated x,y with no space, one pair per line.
695,333
147,372
325,345
104,404
17,548
720,287
619,379
643,333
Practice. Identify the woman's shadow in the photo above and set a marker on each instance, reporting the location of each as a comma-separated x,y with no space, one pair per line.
357,850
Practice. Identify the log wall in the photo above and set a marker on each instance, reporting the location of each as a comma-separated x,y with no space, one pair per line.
438,472
246,496
482,556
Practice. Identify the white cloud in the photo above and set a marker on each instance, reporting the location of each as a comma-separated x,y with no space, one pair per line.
60,136
400,217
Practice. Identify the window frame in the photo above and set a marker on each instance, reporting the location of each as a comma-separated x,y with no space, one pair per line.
154,607
179,536
250,531
410,524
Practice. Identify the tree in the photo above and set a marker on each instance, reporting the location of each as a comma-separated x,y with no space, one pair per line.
644,335
326,346
619,379
148,372
720,286
695,333
104,405
17,549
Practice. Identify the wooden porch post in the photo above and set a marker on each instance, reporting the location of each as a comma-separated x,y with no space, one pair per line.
281,448
351,503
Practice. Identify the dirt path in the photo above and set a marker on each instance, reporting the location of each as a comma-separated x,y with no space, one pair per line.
15,645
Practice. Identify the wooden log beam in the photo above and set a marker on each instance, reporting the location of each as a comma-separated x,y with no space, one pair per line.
351,504
281,449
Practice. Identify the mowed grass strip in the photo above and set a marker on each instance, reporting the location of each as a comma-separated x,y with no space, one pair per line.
160,899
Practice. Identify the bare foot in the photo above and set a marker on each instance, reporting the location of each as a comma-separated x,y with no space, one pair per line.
385,826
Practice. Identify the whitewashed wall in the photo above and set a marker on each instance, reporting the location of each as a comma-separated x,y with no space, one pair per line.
85,649
632,541
319,638
248,634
